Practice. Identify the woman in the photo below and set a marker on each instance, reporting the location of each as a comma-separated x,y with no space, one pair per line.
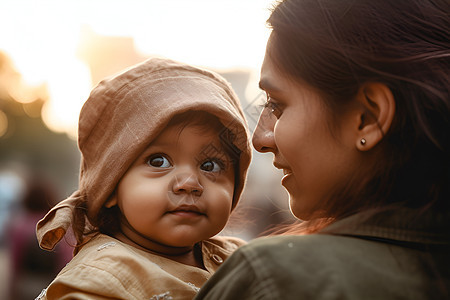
358,118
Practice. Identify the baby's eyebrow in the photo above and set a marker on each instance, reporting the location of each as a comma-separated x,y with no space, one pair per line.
150,149
213,150
210,149
159,144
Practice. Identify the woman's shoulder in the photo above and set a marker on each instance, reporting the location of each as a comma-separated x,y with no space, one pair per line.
276,267
326,256
332,264
298,242
307,250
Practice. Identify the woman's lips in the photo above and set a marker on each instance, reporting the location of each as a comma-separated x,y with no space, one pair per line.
286,170
287,173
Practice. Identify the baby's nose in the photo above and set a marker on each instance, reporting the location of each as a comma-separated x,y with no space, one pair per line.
187,183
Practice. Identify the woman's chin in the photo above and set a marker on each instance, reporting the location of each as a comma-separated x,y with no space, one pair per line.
295,208
299,210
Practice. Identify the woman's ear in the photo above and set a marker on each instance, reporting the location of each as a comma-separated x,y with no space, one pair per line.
376,115
111,201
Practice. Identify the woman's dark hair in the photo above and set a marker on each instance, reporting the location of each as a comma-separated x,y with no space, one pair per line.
336,46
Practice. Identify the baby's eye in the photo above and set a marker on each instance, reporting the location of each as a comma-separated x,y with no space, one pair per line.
212,165
273,107
158,161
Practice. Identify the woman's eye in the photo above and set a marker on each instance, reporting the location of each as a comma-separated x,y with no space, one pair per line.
212,166
159,161
273,107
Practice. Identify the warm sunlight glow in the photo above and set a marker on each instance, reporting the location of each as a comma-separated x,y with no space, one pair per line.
45,41
217,34
24,93
3,123
69,87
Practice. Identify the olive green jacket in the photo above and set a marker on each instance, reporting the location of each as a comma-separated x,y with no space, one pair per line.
389,255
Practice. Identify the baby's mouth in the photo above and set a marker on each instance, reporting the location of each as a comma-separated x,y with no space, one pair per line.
186,209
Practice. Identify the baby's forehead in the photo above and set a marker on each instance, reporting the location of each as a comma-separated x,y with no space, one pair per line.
205,139
203,128
194,131
197,128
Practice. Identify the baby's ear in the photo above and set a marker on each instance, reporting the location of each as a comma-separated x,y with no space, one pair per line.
112,201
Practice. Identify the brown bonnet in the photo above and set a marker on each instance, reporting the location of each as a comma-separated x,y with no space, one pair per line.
124,114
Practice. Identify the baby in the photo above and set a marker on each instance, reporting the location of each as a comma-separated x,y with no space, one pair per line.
165,152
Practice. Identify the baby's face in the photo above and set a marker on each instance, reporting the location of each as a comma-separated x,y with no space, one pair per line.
180,189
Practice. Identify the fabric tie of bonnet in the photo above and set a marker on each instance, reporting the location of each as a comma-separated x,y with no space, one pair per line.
52,228
121,118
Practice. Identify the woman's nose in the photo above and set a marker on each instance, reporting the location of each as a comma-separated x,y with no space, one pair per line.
187,183
263,136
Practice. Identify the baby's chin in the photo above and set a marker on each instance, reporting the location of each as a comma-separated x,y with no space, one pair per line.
187,238
185,243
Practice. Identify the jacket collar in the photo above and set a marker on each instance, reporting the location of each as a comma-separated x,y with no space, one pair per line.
397,224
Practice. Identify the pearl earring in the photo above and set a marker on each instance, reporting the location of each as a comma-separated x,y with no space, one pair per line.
363,141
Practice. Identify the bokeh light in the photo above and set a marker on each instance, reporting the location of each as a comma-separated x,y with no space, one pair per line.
46,38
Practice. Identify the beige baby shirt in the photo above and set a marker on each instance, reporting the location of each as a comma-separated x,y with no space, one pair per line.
106,268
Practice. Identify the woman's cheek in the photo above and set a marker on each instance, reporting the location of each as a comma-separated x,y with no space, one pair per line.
285,139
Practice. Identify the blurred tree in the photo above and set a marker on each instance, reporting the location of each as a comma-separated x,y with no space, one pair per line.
24,138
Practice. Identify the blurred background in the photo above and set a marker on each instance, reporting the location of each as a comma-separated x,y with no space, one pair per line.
52,53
